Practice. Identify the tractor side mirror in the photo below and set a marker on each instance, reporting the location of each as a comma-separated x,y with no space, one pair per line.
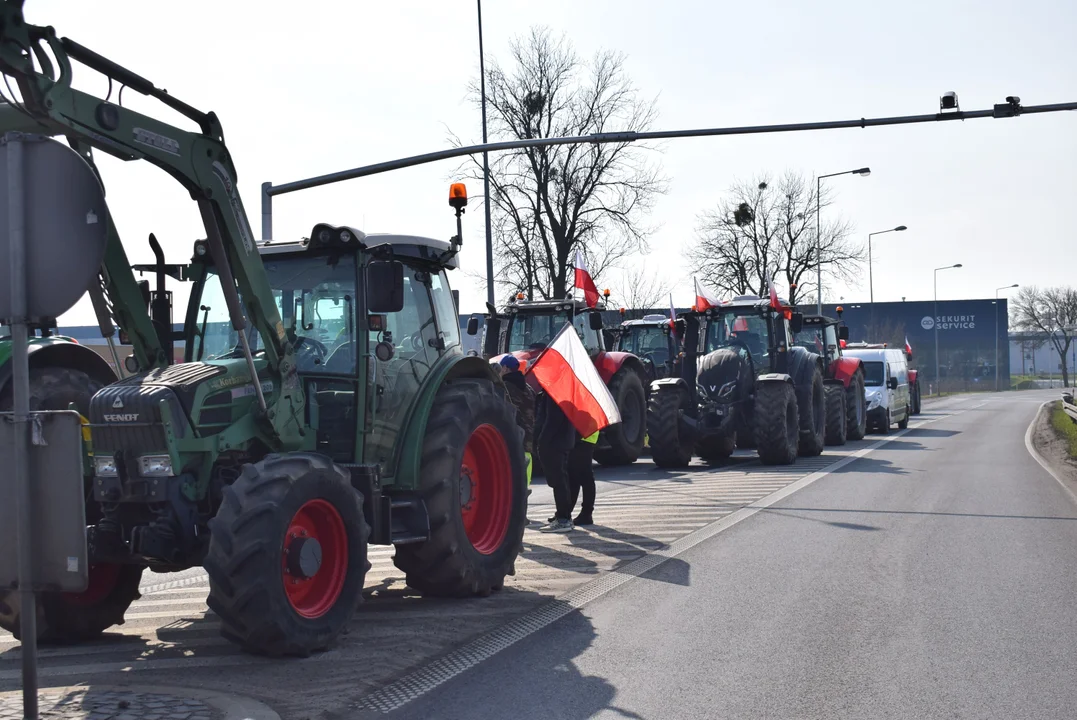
843,333
493,336
595,320
473,325
144,291
796,322
385,286
893,384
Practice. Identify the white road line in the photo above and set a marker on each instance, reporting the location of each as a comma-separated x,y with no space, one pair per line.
1040,458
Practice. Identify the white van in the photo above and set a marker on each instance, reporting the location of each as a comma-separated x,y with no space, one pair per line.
886,385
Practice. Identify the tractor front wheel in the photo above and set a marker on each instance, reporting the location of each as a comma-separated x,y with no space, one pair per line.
811,401
777,427
835,415
856,426
670,448
625,439
288,555
474,484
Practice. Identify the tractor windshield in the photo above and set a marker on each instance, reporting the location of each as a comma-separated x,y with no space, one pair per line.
646,341
313,295
819,339
534,331
749,331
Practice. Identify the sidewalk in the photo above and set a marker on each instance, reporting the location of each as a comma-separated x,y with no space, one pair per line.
98,702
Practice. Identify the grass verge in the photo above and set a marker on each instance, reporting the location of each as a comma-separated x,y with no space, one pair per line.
1065,428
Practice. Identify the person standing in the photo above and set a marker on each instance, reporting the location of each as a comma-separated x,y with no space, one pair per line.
523,397
555,437
581,476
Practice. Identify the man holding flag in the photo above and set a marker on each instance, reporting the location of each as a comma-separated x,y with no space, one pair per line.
574,401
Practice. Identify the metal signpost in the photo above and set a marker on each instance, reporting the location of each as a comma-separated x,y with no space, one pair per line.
52,237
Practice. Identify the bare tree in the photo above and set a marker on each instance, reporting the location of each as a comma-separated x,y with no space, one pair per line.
639,290
1051,312
549,201
764,228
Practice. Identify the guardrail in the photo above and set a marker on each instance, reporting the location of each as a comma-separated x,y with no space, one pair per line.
1069,406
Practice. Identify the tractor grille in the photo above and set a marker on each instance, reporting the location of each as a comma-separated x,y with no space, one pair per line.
127,417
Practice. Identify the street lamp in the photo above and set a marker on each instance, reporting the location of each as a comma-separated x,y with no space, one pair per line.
486,173
938,387
863,172
871,286
1004,287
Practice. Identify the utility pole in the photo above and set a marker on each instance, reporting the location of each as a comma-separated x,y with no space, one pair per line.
486,171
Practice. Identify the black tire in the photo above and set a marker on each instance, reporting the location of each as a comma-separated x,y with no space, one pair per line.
717,449
856,407
835,415
916,398
811,403
69,618
625,439
668,448
449,564
777,425
247,554
884,424
904,424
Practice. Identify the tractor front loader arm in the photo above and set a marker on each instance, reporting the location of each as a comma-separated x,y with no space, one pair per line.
200,161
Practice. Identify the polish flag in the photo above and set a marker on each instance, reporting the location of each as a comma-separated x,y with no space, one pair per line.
774,301
908,347
584,281
565,371
704,299
672,313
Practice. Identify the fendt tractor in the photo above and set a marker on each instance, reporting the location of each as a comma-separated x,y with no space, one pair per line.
846,400
742,383
526,327
324,404
655,342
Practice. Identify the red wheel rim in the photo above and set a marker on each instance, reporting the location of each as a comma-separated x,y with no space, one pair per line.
314,573
102,580
486,489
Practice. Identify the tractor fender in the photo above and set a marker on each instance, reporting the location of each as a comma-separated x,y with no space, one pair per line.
774,377
802,365
670,382
912,376
845,368
61,353
409,445
608,363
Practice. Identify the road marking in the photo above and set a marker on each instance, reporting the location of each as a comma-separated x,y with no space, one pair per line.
421,681
1040,458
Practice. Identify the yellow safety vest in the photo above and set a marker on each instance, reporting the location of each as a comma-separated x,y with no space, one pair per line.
592,438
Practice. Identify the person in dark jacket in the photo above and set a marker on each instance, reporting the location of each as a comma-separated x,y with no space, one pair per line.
523,397
555,437
581,477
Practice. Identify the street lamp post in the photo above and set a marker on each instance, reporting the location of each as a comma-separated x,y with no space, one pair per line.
1004,287
871,286
485,172
863,172
938,384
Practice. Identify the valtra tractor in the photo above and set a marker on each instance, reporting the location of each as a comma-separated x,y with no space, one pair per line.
741,383
324,404
846,404
526,327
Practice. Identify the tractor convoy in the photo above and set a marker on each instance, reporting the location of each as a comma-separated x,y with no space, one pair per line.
324,403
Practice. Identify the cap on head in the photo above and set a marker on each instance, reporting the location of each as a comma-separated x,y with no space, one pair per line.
510,363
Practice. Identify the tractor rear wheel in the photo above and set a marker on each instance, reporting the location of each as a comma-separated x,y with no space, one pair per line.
64,618
287,555
625,439
835,415
856,407
669,446
777,427
717,449
916,397
69,618
811,401
474,484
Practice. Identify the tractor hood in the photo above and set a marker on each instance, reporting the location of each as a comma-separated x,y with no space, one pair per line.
720,373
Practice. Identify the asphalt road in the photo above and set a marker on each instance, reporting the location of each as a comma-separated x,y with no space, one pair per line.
935,576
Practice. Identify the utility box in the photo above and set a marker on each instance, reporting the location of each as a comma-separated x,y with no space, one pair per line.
58,501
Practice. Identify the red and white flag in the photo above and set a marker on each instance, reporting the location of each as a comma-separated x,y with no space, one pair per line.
566,373
584,281
908,347
774,301
672,313
704,299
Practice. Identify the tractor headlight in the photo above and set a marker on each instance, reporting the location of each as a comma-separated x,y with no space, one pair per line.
702,391
155,466
104,466
727,389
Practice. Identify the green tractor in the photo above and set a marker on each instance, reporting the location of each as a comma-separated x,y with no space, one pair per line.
324,404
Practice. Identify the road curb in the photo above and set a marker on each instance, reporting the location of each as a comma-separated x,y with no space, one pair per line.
229,707
1038,457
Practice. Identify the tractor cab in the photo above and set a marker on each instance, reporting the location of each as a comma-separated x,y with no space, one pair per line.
750,326
824,336
526,327
655,341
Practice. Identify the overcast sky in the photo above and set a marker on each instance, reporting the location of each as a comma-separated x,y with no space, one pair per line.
344,84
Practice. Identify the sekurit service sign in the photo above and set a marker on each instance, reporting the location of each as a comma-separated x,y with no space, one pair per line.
949,322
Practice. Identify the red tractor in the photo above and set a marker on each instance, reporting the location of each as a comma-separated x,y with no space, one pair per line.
846,404
524,329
